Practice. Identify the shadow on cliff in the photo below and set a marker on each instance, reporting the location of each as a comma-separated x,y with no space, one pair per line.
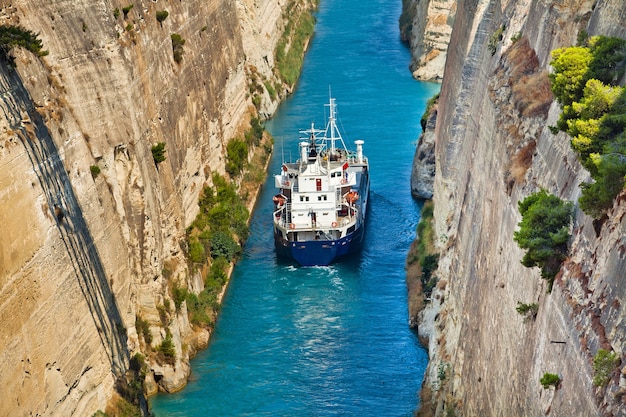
67,213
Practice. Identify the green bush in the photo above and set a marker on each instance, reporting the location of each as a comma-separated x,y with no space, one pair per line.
177,47
429,105
236,156
604,364
495,39
116,12
202,307
158,152
290,47
270,89
427,257
221,220
95,170
13,36
161,15
143,329
179,294
548,380
570,73
167,349
594,115
529,311
224,246
544,232
254,134
221,210
197,252
127,9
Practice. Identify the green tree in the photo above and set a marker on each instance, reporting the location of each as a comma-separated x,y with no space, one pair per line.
607,53
544,232
594,115
236,156
571,72
224,246
158,152
177,47
13,36
161,15
597,197
548,380
604,363
168,349
127,9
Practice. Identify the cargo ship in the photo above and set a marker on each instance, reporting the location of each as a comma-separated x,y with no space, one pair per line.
321,205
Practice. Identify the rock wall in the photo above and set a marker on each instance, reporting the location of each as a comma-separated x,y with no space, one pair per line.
423,170
426,25
82,255
493,147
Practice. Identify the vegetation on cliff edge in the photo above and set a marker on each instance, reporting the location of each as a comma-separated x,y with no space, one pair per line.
544,232
16,36
291,46
425,252
584,83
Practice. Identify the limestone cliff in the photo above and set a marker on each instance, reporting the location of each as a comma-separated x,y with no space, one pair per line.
493,147
426,25
89,224
423,171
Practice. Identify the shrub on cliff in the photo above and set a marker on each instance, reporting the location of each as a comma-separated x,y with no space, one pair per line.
166,351
223,217
161,15
544,232
127,9
528,311
14,36
224,246
604,363
425,253
177,47
290,47
548,380
236,156
430,104
158,152
594,114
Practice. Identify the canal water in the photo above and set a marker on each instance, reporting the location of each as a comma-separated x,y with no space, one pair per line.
327,341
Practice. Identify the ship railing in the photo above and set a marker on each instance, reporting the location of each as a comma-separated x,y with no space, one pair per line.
352,159
283,214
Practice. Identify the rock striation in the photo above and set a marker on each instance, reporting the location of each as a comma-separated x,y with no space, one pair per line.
91,229
423,169
426,25
493,147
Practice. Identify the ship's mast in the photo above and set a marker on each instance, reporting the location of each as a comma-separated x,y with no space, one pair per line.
332,125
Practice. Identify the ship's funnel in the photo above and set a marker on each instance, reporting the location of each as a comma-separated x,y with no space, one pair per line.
359,150
304,151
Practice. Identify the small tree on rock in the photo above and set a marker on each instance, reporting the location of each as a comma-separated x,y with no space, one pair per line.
544,232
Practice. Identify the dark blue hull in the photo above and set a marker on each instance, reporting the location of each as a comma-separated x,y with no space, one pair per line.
318,252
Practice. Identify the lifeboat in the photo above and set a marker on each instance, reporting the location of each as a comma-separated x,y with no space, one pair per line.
352,197
279,200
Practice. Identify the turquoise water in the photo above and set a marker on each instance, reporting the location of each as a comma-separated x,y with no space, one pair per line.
327,341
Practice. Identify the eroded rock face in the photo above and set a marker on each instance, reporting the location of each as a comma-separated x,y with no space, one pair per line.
423,168
485,359
429,25
82,254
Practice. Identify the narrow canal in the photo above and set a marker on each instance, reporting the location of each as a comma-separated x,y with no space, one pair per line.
327,341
